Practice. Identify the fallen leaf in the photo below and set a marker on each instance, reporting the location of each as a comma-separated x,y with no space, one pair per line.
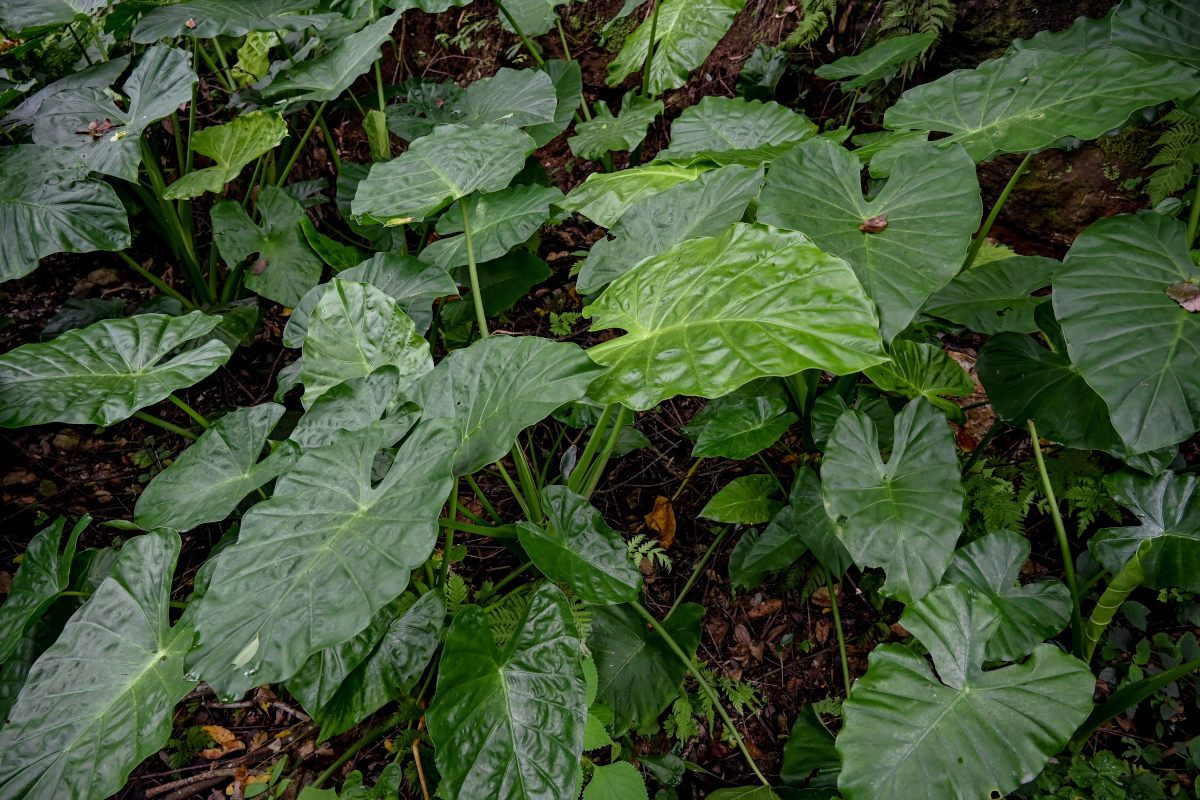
874,224
661,520
765,609
226,741
1187,294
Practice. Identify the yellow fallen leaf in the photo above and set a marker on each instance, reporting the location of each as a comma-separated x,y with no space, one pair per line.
661,520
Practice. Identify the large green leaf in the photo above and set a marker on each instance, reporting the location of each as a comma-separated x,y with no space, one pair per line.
16,15
533,17
740,428
1169,534
964,732
43,573
579,549
1030,99
684,35
316,682
315,562
604,133
161,80
878,61
502,283
285,266
325,77
605,197
354,330
1159,28
619,780
1028,614
412,283
655,224
499,221
208,480
567,78
687,311
99,701
499,386
904,515
509,723
49,205
390,670
510,97
918,369
996,296
729,130
930,206
756,555
449,163
233,146
638,674
97,76
746,500
354,404
813,525
207,19
1025,381
103,373
1138,348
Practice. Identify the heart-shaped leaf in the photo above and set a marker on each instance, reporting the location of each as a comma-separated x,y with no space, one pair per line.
996,296
354,330
619,780
325,77
1028,100
1159,29
567,78
510,97
208,480
605,197
354,404
499,221
43,573
49,205
285,267
756,555
160,82
509,723
1133,344
655,224
964,732
745,500
579,549
932,206
106,371
449,163
685,312
904,515
1028,614
729,130
315,562
741,428
924,370
1168,509
878,61
499,386
208,19
604,133
233,146
81,723
638,673
97,76
685,33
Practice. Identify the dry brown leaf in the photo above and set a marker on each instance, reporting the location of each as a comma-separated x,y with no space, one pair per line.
661,520
874,224
765,609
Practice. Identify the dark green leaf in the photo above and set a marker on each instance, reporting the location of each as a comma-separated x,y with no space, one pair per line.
996,296
924,370
324,78
499,221
43,573
757,555
1159,28
207,19
604,133
740,429
729,130
878,61
813,525
745,501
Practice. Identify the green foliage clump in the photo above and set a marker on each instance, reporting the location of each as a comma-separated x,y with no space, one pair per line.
693,705
1177,156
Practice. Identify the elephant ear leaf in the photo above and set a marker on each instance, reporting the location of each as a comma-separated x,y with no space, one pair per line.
1159,28
510,723
233,146
963,732
918,369
605,133
106,371
48,205
44,572
83,743
905,243
1134,344
208,480
685,32
1167,542
1028,614
904,515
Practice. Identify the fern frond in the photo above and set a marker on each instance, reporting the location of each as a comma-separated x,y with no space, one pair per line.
816,17
901,17
456,592
1177,155
642,547
504,616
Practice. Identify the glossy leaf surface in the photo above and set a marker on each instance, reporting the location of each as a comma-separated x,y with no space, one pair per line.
1168,509
685,314
206,482
757,555
49,205
82,723
930,203
325,77
604,133
1159,29
964,732
741,428
43,573
997,296
509,723
813,525
206,19
499,221
605,197
876,62
904,515
103,373
745,500
729,130
233,146
918,369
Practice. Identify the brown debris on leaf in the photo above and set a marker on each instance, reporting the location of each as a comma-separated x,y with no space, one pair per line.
96,129
1186,293
661,520
874,224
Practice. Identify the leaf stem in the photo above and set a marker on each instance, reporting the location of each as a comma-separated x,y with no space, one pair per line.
524,39
166,426
487,505
476,296
1063,545
995,212
597,467
687,478
516,493
837,624
283,176
449,542
371,737
690,663
1194,213
196,416
470,527
1120,586
529,485
712,548
589,450
650,48
155,281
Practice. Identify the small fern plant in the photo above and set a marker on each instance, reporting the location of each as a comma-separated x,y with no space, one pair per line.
901,17
642,547
1177,156
815,18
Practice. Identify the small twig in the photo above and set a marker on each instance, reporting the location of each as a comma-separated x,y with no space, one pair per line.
189,782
